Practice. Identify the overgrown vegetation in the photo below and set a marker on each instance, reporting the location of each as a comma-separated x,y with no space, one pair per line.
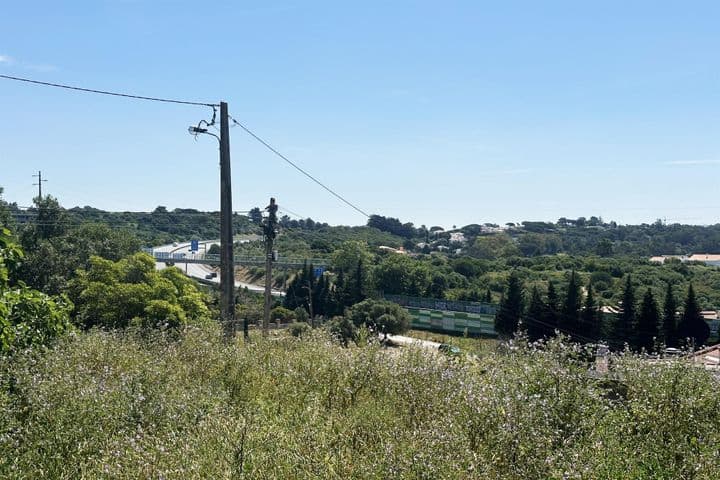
122,405
27,316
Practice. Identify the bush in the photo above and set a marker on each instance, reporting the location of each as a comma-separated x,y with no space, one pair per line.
380,315
111,294
342,329
298,329
282,315
301,314
27,317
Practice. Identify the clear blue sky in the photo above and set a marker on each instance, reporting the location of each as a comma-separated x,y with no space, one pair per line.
438,113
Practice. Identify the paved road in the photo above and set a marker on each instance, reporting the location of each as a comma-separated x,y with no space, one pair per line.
402,340
200,271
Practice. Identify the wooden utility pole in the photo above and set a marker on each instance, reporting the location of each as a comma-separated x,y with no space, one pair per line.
227,266
39,183
269,232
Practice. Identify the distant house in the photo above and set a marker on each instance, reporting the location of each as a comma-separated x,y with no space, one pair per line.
400,250
709,357
457,237
706,258
490,229
712,259
662,258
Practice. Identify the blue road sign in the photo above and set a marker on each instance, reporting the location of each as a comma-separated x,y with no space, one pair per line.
319,271
194,245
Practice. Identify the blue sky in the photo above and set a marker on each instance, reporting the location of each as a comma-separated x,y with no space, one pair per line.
438,113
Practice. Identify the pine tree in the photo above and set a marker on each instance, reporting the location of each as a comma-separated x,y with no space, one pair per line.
624,325
590,320
693,326
488,296
340,294
669,327
647,331
318,293
533,318
551,310
300,288
508,316
356,293
294,296
570,315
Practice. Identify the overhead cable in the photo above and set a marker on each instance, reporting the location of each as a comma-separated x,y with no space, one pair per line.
296,167
105,92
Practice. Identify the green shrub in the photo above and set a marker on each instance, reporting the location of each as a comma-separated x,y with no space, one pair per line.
27,317
301,314
342,329
111,294
298,329
381,315
282,314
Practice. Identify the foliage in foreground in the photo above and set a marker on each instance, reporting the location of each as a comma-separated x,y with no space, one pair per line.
131,291
27,317
121,405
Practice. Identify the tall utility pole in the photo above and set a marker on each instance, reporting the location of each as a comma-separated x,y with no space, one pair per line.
227,266
269,232
39,183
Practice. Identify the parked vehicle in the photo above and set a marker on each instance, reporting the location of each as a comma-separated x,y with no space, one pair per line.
450,350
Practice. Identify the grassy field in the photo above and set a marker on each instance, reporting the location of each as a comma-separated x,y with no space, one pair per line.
141,405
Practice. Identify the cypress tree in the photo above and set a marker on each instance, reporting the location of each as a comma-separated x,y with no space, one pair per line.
589,324
338,295
508,315
669,327
624,325
357,291
317,296
488,296
533,318
693,326
569,319
648,320
551,310
294,296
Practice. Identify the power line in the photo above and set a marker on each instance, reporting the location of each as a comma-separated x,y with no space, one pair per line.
296,167
287,210
105,92
33,210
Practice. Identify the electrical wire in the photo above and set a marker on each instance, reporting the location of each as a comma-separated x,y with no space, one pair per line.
287,210
106,92
296,167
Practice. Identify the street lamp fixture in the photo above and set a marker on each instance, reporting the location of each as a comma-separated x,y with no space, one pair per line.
198,130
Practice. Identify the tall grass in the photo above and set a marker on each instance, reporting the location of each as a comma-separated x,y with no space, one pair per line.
127,405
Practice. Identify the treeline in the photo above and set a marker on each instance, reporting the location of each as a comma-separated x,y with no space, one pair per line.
158,227
537,238
319,243
640,324
57,275
581,236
